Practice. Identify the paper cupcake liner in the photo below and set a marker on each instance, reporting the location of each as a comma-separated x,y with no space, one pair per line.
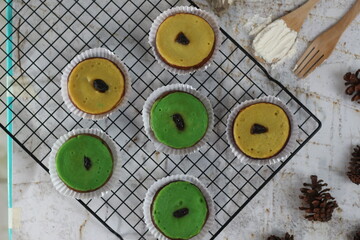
210,18
161,183
283,154
147,111
94,53
65,190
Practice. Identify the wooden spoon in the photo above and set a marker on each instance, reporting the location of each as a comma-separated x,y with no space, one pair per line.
295,19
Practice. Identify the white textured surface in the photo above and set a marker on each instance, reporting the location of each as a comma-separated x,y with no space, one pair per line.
45,214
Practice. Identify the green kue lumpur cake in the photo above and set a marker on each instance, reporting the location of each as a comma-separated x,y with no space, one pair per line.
179,210
179,120
84,163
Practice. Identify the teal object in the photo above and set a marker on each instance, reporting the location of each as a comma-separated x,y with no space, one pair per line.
9,101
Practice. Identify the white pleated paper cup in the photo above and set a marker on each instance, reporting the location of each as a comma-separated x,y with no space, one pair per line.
112,182
94,53
158,185
283,154
210,18
146,114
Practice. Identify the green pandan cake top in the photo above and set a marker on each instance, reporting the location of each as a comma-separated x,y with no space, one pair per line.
84,163
179,120
179,210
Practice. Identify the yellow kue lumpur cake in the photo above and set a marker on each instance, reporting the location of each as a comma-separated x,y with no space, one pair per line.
261,131
94,84
184,38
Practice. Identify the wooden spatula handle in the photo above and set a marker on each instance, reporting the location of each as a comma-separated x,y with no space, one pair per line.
348,18
296,18
310,4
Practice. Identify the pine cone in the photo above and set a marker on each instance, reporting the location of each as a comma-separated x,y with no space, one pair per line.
353,79
354,168
287,237
357,236
321,204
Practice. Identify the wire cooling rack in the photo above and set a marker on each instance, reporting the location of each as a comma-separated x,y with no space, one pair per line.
43,36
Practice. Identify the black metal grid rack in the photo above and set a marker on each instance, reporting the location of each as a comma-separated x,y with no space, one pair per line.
48,34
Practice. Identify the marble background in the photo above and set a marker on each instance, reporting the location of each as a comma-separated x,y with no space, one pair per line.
3,172
41,213
3,184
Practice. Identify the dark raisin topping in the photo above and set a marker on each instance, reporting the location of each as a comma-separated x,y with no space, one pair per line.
179,121
181,212
182,39
87,163
100,85
258,129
